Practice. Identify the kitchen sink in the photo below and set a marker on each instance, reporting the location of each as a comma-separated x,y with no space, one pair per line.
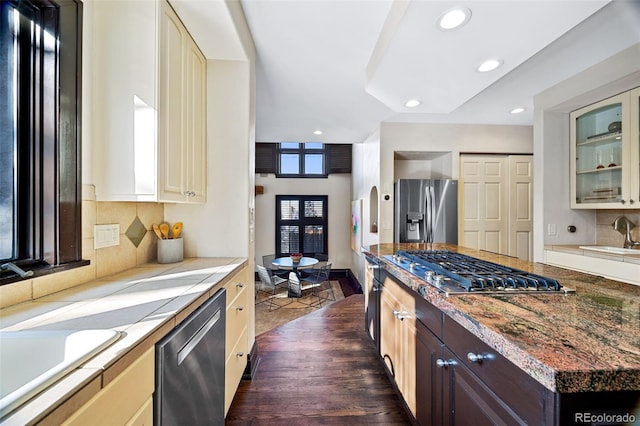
608,249
32,360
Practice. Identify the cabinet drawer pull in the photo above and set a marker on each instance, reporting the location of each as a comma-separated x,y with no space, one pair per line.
240,285
240,308
372,267
441,363
240,354
475,357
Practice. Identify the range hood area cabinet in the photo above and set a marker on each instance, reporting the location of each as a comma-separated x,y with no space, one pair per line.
148,105
605,153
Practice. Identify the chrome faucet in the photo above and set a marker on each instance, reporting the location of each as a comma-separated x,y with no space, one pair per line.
16,269
624,226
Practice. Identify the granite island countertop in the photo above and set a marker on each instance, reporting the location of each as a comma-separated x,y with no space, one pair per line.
143,303
585,341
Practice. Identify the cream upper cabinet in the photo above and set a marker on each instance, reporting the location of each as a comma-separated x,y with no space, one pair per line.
182,121
605,146
148,104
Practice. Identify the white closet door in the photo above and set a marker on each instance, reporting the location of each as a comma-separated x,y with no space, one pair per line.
521,206
484,196
496,203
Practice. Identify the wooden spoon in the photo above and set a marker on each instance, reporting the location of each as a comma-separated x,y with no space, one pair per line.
176,229
164,229
156,229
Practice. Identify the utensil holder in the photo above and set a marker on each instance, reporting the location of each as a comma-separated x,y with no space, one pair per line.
170,250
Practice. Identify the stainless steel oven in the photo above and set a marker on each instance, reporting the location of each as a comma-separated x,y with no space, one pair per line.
190,368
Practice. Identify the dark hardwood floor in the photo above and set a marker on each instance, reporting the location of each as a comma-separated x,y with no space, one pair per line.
319,369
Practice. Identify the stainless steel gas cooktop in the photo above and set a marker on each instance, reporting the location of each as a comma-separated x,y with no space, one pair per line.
455,273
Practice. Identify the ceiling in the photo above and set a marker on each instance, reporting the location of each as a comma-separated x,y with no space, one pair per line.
344,66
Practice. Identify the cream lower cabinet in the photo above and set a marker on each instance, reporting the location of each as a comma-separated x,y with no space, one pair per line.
148,103
398,339
239,303
127,400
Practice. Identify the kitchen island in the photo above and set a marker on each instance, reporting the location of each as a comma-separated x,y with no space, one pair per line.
578,348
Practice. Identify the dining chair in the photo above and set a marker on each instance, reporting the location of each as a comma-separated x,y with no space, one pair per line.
320,283
322,260
266,262
270,283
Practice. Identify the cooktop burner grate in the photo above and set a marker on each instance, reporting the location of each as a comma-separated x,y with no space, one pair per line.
446,269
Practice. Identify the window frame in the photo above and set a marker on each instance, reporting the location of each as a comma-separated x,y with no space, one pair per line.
301,222
301,151
47,224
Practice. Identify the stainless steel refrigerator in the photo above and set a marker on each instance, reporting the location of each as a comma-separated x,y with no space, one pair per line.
426,211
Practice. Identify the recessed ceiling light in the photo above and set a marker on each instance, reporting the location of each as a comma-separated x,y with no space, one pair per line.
412,103
489,65
317,132
517,110
454,18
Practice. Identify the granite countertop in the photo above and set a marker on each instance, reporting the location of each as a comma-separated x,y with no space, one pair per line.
144,303
586,341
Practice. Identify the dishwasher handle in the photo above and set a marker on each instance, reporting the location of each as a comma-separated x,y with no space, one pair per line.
197,337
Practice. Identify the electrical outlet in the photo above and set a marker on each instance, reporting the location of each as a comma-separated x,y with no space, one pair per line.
106,235
552,229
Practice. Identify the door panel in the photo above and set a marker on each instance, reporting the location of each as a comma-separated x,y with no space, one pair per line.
521,206
484,191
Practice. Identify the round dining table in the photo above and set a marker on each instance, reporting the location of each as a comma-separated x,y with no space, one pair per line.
295,289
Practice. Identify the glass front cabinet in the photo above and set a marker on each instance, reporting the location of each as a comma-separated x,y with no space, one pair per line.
605,146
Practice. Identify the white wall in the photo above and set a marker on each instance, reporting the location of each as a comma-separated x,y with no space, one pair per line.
338,189
365,176
551,146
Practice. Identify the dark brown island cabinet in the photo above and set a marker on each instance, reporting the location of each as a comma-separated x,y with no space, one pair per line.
447,376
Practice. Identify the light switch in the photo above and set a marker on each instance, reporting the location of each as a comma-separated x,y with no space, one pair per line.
106,235
551,229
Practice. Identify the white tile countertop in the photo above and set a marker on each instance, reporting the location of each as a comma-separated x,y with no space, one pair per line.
143,303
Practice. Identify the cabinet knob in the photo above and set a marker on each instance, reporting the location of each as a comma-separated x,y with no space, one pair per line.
441,363
631,201
623,201
240,308
240,354
240,285
475,357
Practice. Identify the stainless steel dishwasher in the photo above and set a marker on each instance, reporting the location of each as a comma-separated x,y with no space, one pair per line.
190,368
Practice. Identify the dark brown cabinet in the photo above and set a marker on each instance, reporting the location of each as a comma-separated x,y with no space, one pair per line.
445,374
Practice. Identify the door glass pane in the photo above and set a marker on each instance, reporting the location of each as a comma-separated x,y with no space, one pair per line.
313,208
290,164
313,239
313,164
289,209
8,116
289,239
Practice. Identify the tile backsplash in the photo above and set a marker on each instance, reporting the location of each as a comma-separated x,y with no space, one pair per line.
606,235
134,248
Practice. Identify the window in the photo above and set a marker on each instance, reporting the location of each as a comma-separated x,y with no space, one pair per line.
301,224
337,158
40,66
301,159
